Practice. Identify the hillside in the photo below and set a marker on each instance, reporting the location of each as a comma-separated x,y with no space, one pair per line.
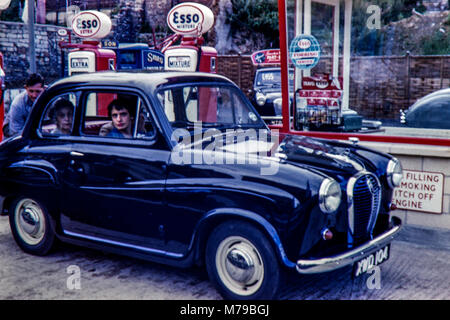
424,34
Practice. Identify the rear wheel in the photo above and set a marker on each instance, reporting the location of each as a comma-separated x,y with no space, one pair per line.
241,262
30,226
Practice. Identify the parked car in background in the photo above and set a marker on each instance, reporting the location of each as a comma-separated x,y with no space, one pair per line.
266,94
431,111
200,180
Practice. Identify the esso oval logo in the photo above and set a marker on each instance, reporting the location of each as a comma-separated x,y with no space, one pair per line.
91,24
190,18
4,4
304,44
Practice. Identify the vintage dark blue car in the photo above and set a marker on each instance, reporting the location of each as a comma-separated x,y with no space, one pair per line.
431,111
266,93
196,178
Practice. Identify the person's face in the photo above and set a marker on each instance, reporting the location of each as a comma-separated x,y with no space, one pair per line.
121,118
34,91
64,120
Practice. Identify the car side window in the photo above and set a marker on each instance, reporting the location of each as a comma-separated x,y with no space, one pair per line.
116,115
59,115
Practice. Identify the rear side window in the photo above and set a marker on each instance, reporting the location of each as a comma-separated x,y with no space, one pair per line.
116,115
59,115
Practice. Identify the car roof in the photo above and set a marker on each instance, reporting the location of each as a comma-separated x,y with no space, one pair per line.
429,97
271,69
438,92
139,79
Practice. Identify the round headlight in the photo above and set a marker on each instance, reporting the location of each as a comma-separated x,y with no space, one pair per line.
394,173
329,196
260,98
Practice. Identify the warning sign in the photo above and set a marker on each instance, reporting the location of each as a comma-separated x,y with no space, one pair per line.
420,191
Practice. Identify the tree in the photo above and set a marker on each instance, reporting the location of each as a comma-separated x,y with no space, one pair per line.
255,16
128,22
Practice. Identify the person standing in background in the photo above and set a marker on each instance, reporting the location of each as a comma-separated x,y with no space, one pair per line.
21,106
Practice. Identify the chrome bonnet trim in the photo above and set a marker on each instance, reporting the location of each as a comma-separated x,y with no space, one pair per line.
349,257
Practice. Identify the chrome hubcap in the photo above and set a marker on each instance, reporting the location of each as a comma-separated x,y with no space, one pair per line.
239,265
30,221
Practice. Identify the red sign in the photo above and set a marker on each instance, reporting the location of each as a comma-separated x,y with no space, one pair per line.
263,57
321,91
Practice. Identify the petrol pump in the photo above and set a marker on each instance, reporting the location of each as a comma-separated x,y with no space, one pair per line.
89,56
189,21
320,100
2,93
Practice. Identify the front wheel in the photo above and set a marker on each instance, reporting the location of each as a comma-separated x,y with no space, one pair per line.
241,262
30,226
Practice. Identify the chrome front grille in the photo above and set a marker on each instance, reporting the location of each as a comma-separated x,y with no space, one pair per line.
364,199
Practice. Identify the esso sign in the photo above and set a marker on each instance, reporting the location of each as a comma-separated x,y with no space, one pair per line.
304,44
4,4
190,18
91,24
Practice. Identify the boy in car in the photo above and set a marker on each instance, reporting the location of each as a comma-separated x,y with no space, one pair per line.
122,116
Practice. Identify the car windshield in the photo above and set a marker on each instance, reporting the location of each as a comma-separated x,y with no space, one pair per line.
211,106
272,78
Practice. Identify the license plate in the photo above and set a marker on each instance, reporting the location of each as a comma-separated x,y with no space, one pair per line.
374,259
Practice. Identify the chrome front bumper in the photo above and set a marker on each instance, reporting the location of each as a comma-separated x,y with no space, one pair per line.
350,257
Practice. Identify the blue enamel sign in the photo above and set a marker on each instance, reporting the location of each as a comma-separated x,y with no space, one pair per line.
153,60
304,51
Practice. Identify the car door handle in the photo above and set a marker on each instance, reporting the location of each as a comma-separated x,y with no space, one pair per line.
76,154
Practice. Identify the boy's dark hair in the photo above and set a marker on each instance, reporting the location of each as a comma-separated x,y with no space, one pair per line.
122,103
33,79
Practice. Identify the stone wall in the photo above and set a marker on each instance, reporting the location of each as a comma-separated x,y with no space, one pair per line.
14,45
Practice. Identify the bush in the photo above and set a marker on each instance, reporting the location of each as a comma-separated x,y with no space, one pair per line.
255,16
439,43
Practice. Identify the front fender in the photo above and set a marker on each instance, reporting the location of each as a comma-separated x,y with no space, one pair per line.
213,218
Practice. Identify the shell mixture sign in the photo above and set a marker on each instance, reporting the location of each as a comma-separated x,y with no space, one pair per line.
420,191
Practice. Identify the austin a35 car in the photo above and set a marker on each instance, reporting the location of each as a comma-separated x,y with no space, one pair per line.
179,168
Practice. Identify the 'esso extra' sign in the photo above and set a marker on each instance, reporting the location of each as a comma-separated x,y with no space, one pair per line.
91,24
190,18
